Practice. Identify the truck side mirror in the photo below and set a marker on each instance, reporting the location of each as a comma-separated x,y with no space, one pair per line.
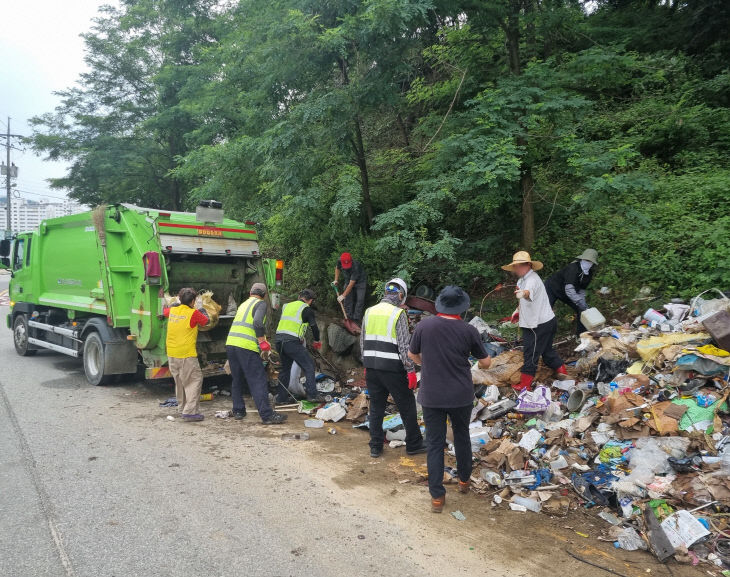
5,262
4,248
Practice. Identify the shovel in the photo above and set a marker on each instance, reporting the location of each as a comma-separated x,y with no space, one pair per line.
350,325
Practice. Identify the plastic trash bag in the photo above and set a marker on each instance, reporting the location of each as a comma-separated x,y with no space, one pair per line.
536,401
206,302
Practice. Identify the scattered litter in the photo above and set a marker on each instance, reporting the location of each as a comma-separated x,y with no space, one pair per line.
171,402
223,414
170,418
458,515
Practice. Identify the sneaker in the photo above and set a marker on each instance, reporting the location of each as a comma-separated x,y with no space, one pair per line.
376,452
437,504
275,419
418,450
195,417
238,415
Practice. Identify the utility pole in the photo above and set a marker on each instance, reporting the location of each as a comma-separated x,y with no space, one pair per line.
10,171
7,178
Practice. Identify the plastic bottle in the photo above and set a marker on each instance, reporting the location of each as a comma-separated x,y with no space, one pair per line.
295,437
529,504
314,423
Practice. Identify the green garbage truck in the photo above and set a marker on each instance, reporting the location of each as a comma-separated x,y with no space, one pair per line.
94,285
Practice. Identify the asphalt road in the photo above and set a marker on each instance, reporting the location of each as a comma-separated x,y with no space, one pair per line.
94,481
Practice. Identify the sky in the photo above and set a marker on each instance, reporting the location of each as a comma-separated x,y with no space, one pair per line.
41,52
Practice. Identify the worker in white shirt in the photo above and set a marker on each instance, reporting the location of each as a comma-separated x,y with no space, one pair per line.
536,318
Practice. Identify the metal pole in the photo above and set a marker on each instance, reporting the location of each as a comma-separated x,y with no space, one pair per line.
7,177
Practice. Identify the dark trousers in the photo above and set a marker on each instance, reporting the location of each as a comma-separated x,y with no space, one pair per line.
355,303
247,365
395,383
538,342
435,420
290,352
552,297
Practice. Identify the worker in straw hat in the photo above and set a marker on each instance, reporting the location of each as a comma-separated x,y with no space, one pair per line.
536,318
569,284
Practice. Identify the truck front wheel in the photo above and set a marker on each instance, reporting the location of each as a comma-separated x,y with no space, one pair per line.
20,336
94,360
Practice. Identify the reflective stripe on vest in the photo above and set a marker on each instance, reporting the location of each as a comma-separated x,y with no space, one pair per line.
380,345
242,333
291,320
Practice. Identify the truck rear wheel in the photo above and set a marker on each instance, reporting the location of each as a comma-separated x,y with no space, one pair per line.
20,336
94,360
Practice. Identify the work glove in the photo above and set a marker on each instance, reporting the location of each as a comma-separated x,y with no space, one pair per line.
515,316
520,294
317,346
412,381
264,346
340,298
334,283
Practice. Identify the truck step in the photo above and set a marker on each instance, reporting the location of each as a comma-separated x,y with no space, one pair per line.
53,347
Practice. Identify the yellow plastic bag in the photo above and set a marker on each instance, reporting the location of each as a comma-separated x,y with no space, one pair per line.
649,348
205,300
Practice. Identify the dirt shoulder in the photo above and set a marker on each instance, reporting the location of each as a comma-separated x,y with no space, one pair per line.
493,540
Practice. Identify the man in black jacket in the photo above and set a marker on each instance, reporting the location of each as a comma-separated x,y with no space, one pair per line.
569,284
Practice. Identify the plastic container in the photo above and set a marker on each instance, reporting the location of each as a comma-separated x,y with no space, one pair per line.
492,477
576,400
654,315
529,504
592,319
314,423
295,437
331,412
559,463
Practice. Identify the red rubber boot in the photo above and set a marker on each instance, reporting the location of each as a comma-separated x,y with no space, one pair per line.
561,373
525,383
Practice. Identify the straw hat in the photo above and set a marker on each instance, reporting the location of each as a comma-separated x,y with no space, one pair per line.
522,257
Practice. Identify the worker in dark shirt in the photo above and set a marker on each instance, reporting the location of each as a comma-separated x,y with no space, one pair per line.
569,284
356,284
296,318
442,346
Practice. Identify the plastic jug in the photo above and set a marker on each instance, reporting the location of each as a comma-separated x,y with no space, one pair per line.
592,319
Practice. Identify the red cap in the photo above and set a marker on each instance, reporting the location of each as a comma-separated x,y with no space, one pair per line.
346,260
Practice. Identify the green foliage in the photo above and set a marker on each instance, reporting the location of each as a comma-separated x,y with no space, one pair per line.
425,137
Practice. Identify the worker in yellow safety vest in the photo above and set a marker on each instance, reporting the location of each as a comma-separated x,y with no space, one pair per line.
183,321
297,317
388,370
246,341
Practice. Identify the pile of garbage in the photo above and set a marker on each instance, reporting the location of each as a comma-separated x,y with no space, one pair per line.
640,433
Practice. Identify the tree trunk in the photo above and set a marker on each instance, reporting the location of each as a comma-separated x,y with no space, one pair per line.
512,31
527,185
359,149
403,129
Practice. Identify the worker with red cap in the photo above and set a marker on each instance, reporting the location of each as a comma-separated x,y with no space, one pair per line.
356,284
